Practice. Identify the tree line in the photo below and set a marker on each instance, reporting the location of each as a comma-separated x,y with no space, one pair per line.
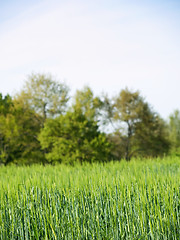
43,124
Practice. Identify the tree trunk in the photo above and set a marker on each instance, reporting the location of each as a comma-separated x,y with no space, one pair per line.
129,135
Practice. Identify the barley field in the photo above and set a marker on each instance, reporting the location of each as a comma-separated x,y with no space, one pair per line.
118,200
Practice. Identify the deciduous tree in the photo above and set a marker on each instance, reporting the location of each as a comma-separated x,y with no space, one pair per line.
44,95
141,130
74,138
19,128
86,103
174,130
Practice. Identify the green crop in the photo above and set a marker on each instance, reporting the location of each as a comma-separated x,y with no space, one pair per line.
118,200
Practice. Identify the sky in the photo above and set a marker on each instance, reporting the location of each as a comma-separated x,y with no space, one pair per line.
105,44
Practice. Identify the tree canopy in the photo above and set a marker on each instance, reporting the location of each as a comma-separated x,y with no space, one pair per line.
74,138
139,128
44,95
40,125
87,103
174,131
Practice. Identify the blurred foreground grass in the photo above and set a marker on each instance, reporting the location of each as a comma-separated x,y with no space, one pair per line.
118,200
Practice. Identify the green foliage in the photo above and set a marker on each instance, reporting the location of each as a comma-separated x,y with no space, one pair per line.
151,137
141,130
8,135
7,128
87,103
36,123
118,142
44,95
174,131
135,200
18,134
73,137
127,107
27,145
5,104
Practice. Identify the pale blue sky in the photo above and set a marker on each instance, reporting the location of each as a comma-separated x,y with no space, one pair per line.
107,44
